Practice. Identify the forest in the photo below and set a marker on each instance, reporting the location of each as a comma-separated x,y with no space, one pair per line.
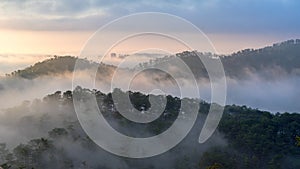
246,138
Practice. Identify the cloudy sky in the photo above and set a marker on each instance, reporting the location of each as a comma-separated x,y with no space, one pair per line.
63,26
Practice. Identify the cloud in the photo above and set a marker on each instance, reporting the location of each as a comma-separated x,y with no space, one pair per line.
10,63
211,16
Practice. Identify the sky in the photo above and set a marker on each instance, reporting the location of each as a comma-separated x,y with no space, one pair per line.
63,26
32,30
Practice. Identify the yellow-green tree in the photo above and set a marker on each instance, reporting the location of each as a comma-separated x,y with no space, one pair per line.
298,140
214,166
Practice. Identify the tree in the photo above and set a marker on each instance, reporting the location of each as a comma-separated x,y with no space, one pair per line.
215,166
5,155
218,158
298,141
58,133
5,166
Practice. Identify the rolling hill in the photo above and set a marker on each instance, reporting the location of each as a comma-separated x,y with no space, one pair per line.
268,62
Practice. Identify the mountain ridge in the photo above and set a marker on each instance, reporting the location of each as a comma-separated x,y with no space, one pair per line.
267,62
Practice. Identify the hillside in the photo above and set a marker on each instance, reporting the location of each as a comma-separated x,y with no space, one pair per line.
269,62
60,65
246,138
281,59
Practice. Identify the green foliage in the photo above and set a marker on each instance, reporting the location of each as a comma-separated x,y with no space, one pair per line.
262,135
215,166
256,139
5,166
61,65
218,158
279,58
298,140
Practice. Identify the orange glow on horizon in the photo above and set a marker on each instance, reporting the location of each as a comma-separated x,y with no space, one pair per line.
42,42
71,42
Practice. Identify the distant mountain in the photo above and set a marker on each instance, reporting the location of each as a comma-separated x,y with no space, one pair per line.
281,59
269,62
60,65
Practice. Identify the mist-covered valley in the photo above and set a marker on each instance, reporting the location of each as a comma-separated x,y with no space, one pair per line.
40,129
252,77
185,84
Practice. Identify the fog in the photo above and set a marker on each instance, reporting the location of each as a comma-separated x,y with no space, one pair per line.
13,62
280,95
35,118
132,59
275,95
24,115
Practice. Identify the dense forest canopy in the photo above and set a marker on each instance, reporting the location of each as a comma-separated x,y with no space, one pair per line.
246,138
